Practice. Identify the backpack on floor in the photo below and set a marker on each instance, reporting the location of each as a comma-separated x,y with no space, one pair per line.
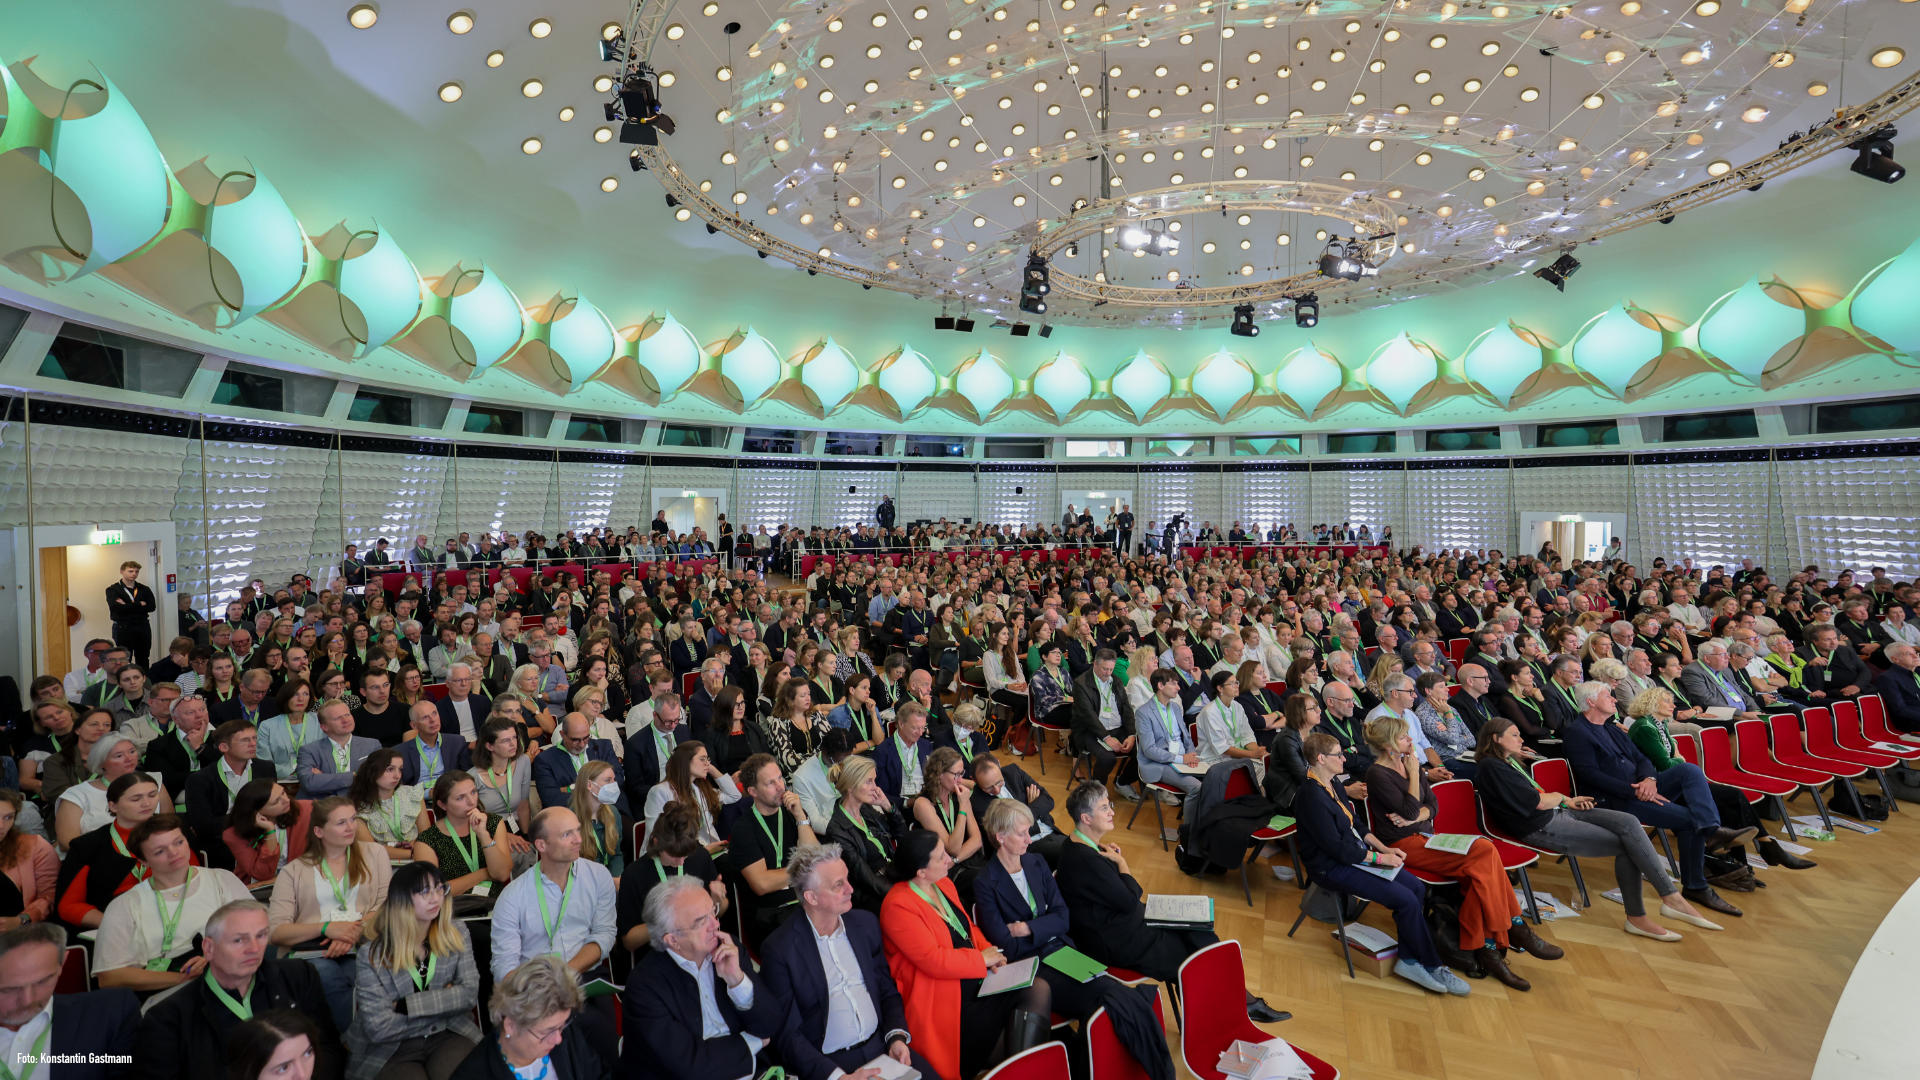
1847,800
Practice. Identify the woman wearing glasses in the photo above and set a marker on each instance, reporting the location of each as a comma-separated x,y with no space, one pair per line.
532,1034
415,985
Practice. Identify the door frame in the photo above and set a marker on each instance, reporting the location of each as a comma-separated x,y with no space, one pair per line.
663,495
30,540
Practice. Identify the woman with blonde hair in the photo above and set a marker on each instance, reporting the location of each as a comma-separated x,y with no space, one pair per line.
323,895
525,688
415,985
868,828
1140,665
595,790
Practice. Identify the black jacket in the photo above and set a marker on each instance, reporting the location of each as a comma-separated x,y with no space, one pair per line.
662,1000
100,1022
1087,731
792,976
868,860
184,1034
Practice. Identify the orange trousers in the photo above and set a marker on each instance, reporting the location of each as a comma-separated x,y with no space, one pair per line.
1487,906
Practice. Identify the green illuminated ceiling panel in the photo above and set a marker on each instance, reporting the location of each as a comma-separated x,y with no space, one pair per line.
1613,347
1141,383
1500,361
1747,327
261,238
831,375
908,379
1308,376
584,341
983,382
1062,383
1887,308
114,167
377,278
671,355
1399,370
1221,381
486,318
751,365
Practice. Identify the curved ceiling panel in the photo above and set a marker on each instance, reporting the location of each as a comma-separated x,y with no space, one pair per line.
584,341
111,163
1500,361
751,365
1141,383
983,382
1062,383
1747,327
486,317
1221,381
908,379
1399,370
1308,376
377,278
830,374
670,354
1886,307
263,241
1613,347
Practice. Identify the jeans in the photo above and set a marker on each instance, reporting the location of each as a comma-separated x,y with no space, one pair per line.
1691,814
1405,896
336,981
1608,832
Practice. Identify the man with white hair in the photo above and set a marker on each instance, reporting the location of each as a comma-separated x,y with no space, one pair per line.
1709,682
702,1015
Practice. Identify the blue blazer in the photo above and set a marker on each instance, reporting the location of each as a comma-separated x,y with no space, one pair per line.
886,765
553,772
101,1021
1901,695
453,755
792,975
663,1001
318,754
1605,762
997,902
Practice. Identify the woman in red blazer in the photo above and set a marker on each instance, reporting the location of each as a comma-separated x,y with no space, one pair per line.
938,959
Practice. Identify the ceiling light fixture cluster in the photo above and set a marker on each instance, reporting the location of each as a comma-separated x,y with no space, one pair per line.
1149,236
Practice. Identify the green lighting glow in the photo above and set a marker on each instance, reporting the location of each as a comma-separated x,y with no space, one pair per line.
752,366
983,382
584,340
1745,328
831,375
908,379
1222,380
1886,308
114,167
1062,383
1307,376
1141,383
1613,347
488,317
1500,361
1400,370
383,285
671,355
263,241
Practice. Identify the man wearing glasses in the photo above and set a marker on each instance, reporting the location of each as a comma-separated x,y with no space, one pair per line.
1399,703
702,1015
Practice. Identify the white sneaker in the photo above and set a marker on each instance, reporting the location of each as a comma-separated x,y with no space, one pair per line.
1127,792
1282,873
1418,976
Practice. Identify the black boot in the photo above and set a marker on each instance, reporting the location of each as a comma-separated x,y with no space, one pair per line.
1775,855
1025,1031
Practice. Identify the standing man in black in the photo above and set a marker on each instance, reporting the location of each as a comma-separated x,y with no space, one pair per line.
1124,524
131,604
884,512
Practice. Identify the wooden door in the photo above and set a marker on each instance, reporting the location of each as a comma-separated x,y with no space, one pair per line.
56,654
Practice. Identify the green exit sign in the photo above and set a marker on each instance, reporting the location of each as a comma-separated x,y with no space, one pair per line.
107,536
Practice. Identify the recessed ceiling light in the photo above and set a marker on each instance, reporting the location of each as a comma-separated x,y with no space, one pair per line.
602,83
1753,114
1491,48
460,22
1437,41
710,9
1889,56
1816,88
609,31
1422,76
602,134
723,73
496,58
362,16
611,183
1423,158
1594,101
1719,168
450,92
530,145
1536,187
682,214
1692,56
540,28
1706,7
532,88
566,114
667,78
1631,7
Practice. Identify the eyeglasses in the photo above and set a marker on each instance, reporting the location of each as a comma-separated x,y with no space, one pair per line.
438,890
553,1032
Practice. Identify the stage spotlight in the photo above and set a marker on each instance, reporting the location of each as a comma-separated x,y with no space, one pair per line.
1556,275
1876,157
943,322
712,228
610,48
1133,236
1243,324
1306,311
1046,331
672,202
1035,283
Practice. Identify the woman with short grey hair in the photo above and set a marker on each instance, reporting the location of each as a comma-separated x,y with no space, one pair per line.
532,1010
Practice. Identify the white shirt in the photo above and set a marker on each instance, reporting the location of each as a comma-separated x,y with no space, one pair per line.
131,932
1046,830
712,1024
23,1039
851,1016
661,794
92,802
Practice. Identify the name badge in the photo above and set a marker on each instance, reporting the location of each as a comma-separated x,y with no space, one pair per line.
485,888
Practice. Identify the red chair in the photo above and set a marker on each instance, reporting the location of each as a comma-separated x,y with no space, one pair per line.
1428,876
1757,758
1458,810
1554,774
1874,727
1048,1061
1457,650
1213,986
436,691
1789,747
1150,792
637,837
74,976
1106,1058
688,684
1823,739
1238,784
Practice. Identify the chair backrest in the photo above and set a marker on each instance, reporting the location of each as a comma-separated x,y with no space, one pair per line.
1846,716
1213,1010
1048,1061
638,838
1690,746
1751,736
1457,649
74,976
1873,716
1554,774
1820,731
1786,733
1107,1057
1716,749
436,691
1453,807
1239,783
689,683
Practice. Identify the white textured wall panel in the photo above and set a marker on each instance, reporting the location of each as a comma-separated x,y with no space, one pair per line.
1569,486
1164,494
631,497
1453,509
773,497
934,494
1019,498
261,506
1326,498
1709,511
83,476
392,496
1851,513
586,493
1263,499
496,494
835,505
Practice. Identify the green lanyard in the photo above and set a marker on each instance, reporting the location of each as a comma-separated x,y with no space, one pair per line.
341,890
424,981
964,740
950,819
939,903
1169,718
505,787
241,1007
425,773
1523,772
470,854
777,836
34,1055
228,776
909,760
860,822
1026,894
1085,839
169,925
340,758
140,870
392,809
193,759
1568,694
662,873
552,923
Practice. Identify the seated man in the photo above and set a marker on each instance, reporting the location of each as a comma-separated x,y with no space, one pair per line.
764,838
210,789
1610,768
563,905
1164,743
1709,682
1833,671
691,996
1108,915
430,752
827,974
1103,717
184,1034
900,763
140,951
557,765
993,782
1899,688
36,1019
326,766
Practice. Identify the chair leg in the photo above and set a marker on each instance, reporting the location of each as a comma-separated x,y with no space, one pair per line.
1340,928
1533,906
1131,818
1820,804
1246,886
1673,864
1293,856
1302,917
1893,804
1780,807
1579,881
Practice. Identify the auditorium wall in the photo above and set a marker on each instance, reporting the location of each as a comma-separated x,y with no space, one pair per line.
253,501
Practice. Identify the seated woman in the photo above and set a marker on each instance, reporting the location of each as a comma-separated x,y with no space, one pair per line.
693,780
468,844
1402,806
1107,913
1222,725
533,1034
320,898
1333,848
1446,730
28,863
1263,707
1653,712
67,765
1021,912
858,714
505,774
595,790
673,849
147,933
1052,686
83,806
390,813
942,809
938,958
868,829
1523,704
416,982
733,737
1516,806
265,828
101,865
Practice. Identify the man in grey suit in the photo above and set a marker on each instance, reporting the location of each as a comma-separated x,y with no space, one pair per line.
326,765
1708,682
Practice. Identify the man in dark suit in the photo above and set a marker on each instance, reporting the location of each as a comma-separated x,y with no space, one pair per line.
557,765
184,1034
701,1013
1103,718
993,781
210,790
713,679
838,1021
1899,688
900,763
1559,711
430,752
464,710
249,701
649,748
40,1021
1833,670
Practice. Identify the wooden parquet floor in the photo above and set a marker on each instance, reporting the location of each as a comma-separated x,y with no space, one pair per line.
1749,1003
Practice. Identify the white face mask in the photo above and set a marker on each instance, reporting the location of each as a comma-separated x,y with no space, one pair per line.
608,794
